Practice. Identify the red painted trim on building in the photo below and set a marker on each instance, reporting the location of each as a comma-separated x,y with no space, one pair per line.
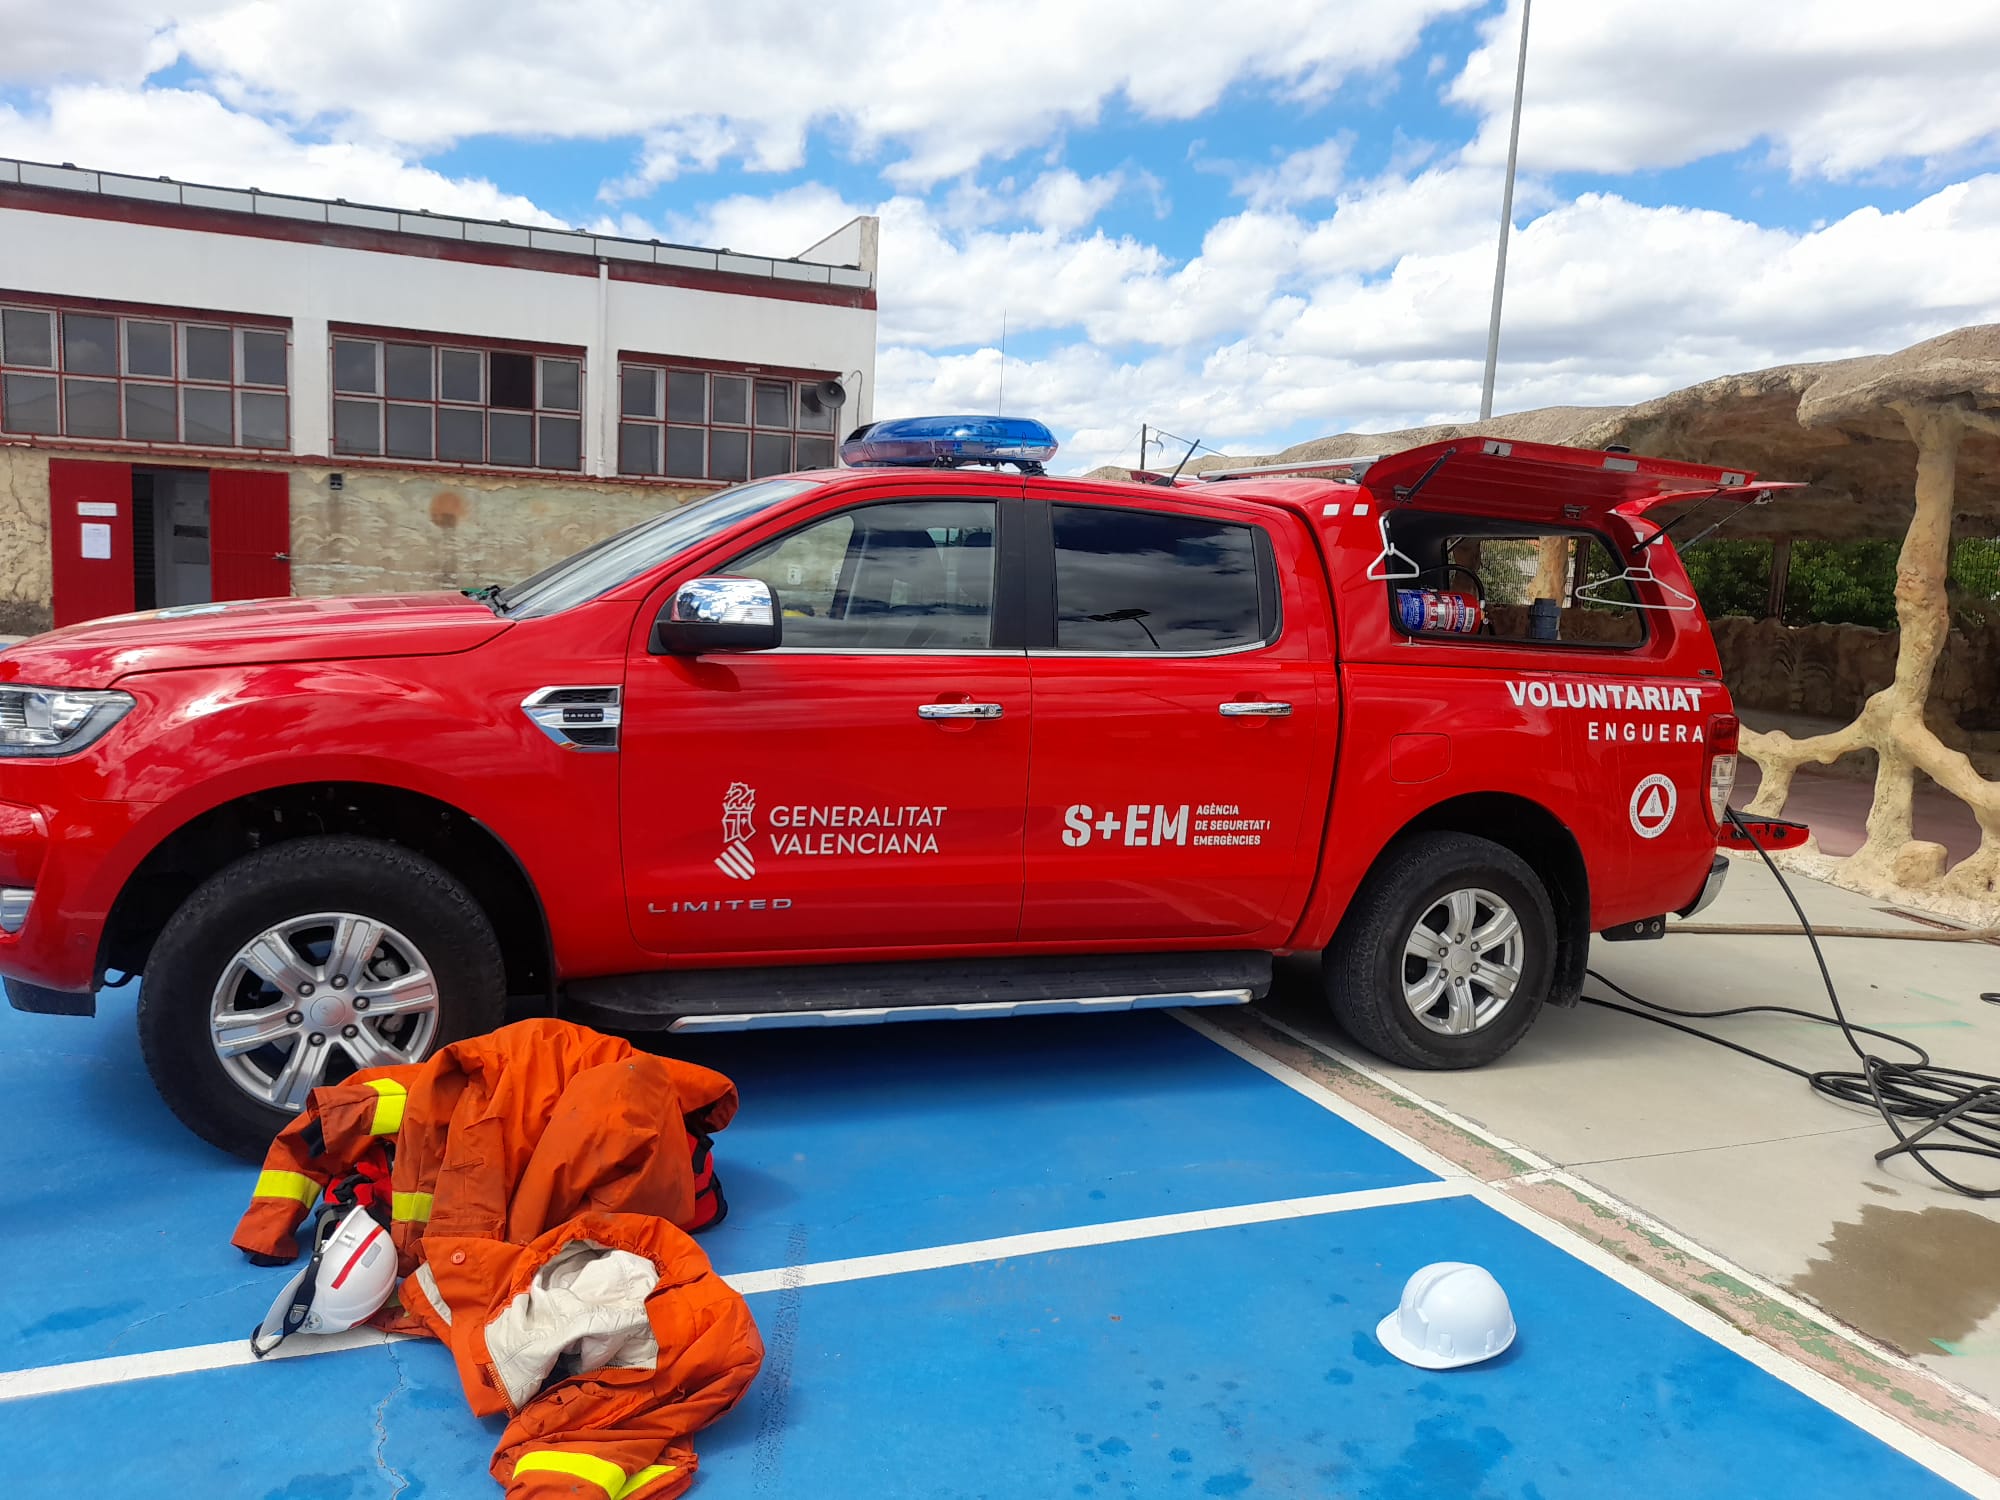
722,281
264,458
452,340
145,310
724,366
387,242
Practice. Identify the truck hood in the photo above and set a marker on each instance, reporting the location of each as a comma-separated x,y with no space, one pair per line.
251,633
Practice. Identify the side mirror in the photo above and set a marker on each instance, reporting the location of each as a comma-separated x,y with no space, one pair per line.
718,614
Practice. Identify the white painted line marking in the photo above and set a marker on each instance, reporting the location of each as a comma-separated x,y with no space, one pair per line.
1383,1081
1046,1241
1917,1446
117,1369
1325,1098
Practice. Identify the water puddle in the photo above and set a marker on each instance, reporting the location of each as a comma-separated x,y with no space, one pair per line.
1914,1279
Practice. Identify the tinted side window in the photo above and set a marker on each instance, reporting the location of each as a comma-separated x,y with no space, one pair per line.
902,576
1136,581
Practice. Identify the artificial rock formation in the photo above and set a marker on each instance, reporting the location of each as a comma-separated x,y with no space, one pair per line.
1937,392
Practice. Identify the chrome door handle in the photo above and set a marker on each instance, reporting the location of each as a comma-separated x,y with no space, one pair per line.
1260,710
958,710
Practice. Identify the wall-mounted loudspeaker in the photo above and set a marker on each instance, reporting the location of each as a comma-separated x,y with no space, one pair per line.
825,395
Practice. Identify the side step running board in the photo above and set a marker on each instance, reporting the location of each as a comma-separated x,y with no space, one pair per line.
954,990
981,1011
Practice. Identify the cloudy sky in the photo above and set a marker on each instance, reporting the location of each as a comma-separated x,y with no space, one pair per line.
1247,222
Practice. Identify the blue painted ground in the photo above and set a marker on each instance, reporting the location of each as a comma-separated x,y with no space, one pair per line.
117,1222
870,1139
1225,1362
1244,1361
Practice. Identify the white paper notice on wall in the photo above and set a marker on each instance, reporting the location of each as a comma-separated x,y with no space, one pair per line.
96,540
96,508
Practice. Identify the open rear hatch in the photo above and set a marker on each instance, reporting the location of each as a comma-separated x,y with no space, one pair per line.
1546,483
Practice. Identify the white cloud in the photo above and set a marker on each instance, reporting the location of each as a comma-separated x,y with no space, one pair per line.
119,40
1837,87
1281,326
180,133
1310,175
696,145
1062,200
750,77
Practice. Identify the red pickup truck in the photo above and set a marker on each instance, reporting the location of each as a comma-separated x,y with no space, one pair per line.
889,742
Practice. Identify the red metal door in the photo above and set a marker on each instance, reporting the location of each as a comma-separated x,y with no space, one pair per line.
90,538
250,534
1178,785
862,788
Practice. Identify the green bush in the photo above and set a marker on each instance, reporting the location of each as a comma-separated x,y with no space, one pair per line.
1837,583
1730,577
1843,583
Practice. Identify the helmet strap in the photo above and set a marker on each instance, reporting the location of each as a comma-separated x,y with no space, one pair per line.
288,1317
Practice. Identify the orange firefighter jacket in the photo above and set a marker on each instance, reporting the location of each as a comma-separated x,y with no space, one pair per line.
537,1178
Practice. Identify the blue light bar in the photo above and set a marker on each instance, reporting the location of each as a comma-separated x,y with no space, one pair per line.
945,442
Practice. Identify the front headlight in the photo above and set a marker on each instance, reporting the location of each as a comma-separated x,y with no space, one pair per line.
56,721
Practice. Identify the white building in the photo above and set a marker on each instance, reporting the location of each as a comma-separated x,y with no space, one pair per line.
223,393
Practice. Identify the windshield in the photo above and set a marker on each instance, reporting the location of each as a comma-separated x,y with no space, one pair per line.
619,559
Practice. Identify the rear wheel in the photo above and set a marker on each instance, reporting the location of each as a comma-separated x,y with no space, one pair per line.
298,965
1446,954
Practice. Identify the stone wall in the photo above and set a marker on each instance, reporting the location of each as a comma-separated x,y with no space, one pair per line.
390,532
24,541
1830,671
383,531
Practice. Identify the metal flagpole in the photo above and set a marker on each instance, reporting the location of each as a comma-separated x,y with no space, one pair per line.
1506,223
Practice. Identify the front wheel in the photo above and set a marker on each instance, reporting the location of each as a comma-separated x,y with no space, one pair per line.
1446,954
300,964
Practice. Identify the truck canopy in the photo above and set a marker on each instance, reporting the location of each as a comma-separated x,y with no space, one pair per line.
1544,482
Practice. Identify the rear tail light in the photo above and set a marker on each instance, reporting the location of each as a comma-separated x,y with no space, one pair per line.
1722,736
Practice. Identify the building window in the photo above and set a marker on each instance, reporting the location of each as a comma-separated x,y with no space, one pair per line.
137,379
395,399
704,424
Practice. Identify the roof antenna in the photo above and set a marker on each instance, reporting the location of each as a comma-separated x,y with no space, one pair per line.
1183,463
1002,402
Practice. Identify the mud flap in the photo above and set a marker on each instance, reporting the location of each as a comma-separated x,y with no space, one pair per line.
40,1002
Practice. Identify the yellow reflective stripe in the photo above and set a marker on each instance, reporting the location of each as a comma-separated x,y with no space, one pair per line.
296,1186
410,1206
643,1478
389,1107
601,1472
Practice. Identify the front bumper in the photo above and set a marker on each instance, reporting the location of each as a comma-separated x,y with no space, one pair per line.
51,923
1710,888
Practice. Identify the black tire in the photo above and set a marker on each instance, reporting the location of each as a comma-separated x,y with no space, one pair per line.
425,909
1367,964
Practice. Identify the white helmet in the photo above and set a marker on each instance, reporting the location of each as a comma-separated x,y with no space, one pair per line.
350,1275
1451,1314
